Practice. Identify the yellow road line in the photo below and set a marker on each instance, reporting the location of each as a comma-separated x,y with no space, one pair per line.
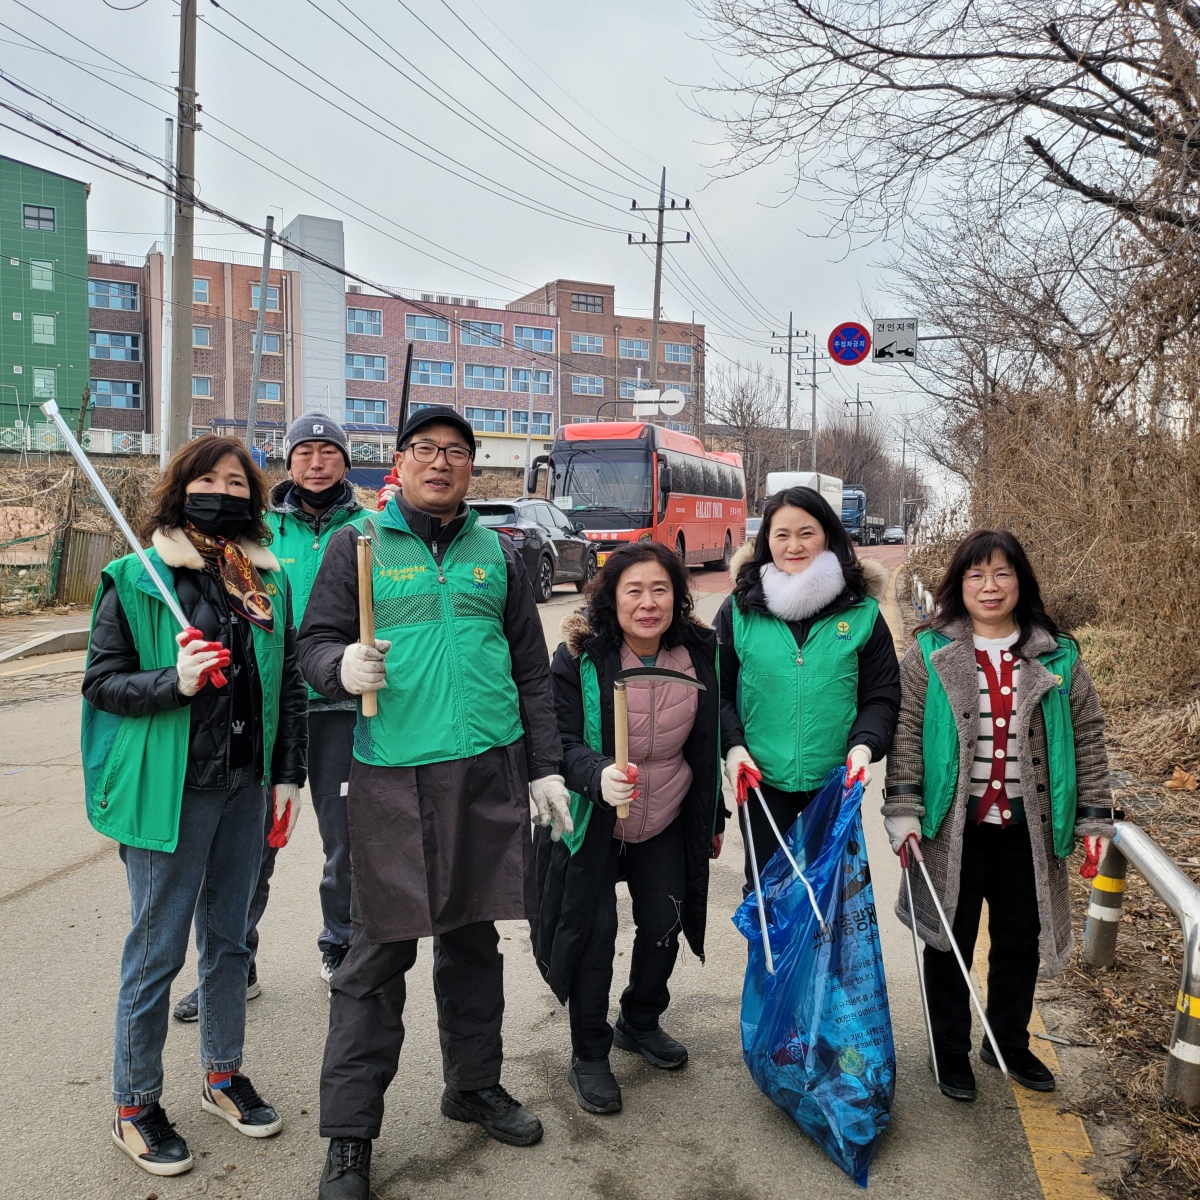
41,665
1058,1142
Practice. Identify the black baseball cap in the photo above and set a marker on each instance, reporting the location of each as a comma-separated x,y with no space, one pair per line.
435,414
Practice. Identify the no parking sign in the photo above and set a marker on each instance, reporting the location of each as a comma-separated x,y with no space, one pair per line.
849,343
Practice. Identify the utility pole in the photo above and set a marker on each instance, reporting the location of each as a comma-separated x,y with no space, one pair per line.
164,382
659,243
529,427
858,403
185,226
792,332
263,289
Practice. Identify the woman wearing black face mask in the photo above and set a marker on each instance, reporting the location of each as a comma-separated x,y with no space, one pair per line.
175,762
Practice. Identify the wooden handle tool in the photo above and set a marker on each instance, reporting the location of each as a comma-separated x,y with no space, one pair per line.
366,614
621,734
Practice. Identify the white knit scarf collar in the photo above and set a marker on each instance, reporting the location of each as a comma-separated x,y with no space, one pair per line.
797,597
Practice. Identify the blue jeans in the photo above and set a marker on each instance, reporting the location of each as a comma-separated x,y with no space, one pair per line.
210,875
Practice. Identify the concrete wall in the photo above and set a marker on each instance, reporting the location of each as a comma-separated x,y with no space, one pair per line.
322,315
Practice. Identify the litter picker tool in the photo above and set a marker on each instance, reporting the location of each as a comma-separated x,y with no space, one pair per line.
812,899
745,781
621,710
910,845
214,674
366,614
905,859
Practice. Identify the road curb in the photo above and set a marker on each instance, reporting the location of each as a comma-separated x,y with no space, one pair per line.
49,643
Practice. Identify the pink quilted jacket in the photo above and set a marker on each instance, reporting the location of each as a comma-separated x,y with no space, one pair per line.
661,716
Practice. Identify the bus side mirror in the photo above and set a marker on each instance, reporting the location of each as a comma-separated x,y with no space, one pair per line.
664,478
531,479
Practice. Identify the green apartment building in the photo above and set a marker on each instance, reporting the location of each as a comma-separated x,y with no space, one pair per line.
43,295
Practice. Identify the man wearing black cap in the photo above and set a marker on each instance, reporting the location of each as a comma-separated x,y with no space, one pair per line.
439,790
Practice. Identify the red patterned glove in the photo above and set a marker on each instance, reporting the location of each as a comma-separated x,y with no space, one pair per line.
391,485
1094,848
287,794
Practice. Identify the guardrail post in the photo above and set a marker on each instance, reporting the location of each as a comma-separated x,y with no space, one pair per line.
1182,1080
1104,909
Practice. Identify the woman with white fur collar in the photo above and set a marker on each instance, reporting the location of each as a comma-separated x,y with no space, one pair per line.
809,677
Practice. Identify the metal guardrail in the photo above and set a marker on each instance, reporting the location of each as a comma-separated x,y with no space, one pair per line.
1132,844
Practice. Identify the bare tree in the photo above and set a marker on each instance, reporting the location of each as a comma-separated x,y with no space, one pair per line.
743,409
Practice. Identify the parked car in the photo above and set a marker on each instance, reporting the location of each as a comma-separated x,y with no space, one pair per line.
753,525
551,545
893,535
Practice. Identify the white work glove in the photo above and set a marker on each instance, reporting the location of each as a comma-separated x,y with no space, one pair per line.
858,766
553,803
362,667
738,761
617,786
900,829
286,811
195,657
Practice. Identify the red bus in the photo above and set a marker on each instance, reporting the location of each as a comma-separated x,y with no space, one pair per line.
628,481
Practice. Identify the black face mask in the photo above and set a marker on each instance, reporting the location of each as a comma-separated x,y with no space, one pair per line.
322,499
218,514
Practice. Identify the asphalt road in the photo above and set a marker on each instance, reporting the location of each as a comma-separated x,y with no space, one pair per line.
705,1133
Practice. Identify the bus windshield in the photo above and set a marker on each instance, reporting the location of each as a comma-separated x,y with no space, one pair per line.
604,488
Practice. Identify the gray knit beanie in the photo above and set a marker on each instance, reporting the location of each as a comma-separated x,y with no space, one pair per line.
315,427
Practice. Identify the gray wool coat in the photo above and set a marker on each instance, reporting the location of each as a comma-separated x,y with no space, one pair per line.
955,667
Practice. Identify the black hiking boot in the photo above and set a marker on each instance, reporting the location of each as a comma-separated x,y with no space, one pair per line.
495,1112
657,1047
594,1086
955,1077
1023,1065
347,1174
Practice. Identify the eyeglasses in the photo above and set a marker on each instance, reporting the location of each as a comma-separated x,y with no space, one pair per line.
427,452
976,579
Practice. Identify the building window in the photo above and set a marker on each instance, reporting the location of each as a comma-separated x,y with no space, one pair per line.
584,302
37,217
679,426
685,388
45,384
533,337
487,420
199,291
41,275
272,297
582,420
124,347
489,379
426,329
482,333
106,293
365,320
268,393
677,352
587,385
42,329
541,422
366,412
543,381
631,387
116,393
433,374
586,343
635,348
201,337
366,366
271,343
201,386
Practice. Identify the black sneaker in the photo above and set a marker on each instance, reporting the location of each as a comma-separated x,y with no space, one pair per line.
658,1048
240,1105
1023,1065
495,1112
331,960
594,1086
151,1141
955,1077
188,1009
347,1174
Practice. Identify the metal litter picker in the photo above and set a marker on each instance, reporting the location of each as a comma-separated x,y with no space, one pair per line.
214,674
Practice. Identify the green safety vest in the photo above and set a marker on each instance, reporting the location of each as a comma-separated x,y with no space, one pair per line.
300,553
797,706
134,767
581,806
940,749
450,691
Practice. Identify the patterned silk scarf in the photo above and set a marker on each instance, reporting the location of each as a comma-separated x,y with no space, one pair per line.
243,585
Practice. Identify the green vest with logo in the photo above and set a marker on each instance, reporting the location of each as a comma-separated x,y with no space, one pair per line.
940,750
134,767
300,552
450,692
797,705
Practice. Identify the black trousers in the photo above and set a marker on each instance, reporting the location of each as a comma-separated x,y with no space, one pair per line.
785,808
366,1026
654,871
997,866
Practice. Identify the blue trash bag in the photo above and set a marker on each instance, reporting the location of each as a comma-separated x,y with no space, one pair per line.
817,1035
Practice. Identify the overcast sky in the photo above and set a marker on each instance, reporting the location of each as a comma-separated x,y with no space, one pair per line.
610,100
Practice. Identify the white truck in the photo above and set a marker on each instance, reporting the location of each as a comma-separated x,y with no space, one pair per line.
828,486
